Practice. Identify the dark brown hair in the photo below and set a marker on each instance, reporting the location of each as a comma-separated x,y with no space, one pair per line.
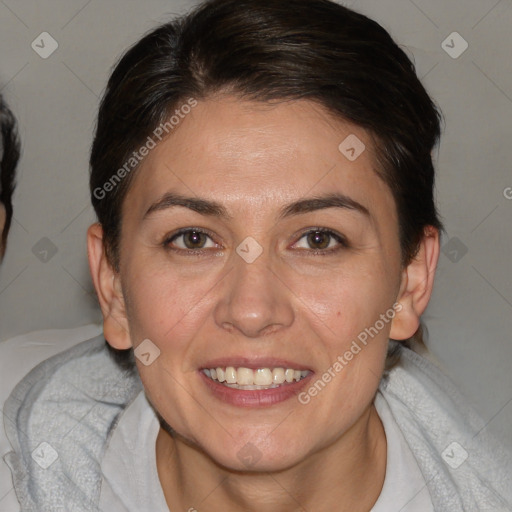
272,50
10,154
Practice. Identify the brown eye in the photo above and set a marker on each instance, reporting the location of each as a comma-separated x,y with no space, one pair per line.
318,239
322,241
189,239
194,239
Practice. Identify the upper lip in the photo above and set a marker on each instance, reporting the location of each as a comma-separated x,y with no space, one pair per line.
254,363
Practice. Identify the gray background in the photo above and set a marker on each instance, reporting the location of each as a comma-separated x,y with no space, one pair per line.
55,99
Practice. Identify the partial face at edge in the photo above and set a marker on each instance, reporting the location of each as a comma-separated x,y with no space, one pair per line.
303,300
2,225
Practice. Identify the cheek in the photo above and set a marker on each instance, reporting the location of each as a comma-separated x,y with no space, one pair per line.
353,345
169,309
162,309
347,300
162,301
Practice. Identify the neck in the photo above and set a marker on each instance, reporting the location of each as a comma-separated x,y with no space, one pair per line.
347,475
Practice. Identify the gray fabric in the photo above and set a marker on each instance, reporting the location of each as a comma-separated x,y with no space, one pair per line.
432,415
73,401
70,401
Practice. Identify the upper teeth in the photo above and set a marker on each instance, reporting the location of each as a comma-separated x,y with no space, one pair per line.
259,377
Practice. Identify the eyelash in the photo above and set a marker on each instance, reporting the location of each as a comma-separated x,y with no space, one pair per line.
343,243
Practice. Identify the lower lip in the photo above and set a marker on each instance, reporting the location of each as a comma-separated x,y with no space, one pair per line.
254,397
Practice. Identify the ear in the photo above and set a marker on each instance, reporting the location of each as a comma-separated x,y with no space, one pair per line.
107,283
416,286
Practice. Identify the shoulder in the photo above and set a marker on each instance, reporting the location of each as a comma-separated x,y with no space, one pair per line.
464,465
60,415
20,354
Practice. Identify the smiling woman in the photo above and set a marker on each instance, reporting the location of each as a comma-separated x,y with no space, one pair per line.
262,272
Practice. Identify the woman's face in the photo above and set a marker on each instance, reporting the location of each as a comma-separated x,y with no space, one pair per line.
284,252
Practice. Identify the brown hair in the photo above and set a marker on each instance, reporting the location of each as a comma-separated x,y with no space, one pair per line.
266,50
10,154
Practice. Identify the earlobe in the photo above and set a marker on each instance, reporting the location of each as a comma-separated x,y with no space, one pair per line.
108,289
416,286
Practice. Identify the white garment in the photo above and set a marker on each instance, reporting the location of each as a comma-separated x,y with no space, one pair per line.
405,488
130,478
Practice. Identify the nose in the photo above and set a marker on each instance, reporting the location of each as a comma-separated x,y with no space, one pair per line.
255,300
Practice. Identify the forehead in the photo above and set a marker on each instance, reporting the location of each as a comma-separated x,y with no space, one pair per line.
247,154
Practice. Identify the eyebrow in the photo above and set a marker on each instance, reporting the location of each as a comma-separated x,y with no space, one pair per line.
214,209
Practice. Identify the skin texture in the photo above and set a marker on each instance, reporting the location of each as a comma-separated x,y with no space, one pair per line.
289,303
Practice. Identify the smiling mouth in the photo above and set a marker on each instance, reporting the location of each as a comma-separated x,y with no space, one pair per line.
259,378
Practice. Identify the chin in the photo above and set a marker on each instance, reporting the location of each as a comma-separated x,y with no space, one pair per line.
251,457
